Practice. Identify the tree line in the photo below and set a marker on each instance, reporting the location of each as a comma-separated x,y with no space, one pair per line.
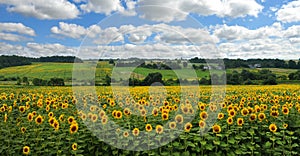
240,63
245,77
10,61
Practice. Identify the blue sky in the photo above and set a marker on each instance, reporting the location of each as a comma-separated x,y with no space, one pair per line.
217,28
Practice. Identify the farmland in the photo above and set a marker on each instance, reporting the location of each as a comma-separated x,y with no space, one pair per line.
64,71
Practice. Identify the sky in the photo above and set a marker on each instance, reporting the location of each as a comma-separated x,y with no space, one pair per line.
151,28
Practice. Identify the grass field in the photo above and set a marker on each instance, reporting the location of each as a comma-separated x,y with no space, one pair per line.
64,70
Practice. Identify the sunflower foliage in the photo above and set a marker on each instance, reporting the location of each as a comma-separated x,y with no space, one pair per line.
250,120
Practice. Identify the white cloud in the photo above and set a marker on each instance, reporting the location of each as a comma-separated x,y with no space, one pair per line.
170,10
293,31
289,12
43,9
136,34
265,42
12,37
15,31
16,27
50,49
234,33
261,48
102,6
130,8
273,9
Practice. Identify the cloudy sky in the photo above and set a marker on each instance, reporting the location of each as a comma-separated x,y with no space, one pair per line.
151,28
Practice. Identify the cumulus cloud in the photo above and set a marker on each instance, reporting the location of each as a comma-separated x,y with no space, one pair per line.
170,10
231,33
43,9
15,32
102,6
159,33
17,27
265,42
32,49
289,12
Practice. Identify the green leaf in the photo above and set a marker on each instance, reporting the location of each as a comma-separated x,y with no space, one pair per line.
231,141
217,142
186,153
268,144
295,145
209,147
203,142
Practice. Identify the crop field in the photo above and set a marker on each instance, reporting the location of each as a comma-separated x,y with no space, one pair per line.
64,70
249,120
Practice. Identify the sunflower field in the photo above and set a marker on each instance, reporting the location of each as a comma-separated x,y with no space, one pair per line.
249,120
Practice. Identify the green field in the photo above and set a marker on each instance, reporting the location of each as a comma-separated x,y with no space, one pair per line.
64,70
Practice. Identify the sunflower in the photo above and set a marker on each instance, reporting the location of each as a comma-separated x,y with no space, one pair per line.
47,108
240,121
71,119
165,116
202,124
172,125
23,129
273,128
34,113
274,114
220,116
22,109
159,129
73,128
202,107
250,110
188,126
83,116
244,112
285,111
94,118
175,107
231,113
203,115
135,131
51,121
50,114
74,146
213,107
230,120
179,118
148,128
223,105
261,116
56,125
26,150
118,115
155,112
101,113
61,117
143,112
185,109
216,129
64,106
252,117
104,120
285,125
30,117
39,120
125,134
126,111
